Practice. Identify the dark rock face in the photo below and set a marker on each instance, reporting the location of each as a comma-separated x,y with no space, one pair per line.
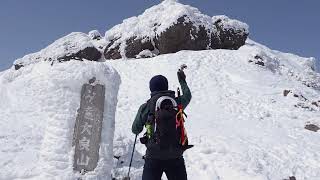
312,127
316,103
258,60
291,178
135,45
18,66
227,38
89,53
182,36
112,52
74,46
286,92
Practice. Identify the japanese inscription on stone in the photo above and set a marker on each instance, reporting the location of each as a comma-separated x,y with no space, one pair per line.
87,131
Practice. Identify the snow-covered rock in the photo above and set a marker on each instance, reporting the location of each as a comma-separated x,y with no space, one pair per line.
76,45
94,34
231,33
146,54
170,27
165,28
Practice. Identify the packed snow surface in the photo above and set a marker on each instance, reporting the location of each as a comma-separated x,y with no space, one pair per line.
241,124
238,119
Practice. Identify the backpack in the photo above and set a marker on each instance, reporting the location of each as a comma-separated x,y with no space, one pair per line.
163,128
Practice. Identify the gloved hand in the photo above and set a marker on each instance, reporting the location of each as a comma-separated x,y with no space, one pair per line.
181,76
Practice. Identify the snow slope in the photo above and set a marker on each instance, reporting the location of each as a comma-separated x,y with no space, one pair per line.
239,121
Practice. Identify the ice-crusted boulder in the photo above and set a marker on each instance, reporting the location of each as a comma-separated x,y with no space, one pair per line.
94,34
170,27
231,34
76,45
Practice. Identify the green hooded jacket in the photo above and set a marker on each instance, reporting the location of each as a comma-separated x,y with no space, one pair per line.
142,114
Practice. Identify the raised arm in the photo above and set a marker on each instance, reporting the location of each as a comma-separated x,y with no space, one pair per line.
186,97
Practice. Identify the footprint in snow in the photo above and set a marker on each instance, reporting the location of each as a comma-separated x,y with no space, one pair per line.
207,151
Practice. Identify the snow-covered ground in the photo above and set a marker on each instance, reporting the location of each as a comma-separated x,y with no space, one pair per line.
239,121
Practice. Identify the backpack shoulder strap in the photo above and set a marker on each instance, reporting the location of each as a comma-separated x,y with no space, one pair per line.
162,98
152,102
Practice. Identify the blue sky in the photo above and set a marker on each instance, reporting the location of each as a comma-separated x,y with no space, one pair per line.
28,26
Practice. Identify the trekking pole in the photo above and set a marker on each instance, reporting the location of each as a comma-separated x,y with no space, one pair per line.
134,145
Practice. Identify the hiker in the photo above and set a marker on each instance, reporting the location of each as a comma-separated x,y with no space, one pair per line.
164,152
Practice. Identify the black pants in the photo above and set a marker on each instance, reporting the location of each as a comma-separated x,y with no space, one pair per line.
174,168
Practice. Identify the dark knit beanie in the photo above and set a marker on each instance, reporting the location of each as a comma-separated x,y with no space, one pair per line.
158,83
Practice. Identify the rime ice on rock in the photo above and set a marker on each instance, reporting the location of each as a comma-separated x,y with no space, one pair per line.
170,27
75,46
94,34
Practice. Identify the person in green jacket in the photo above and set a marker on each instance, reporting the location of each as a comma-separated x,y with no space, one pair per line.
158,159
